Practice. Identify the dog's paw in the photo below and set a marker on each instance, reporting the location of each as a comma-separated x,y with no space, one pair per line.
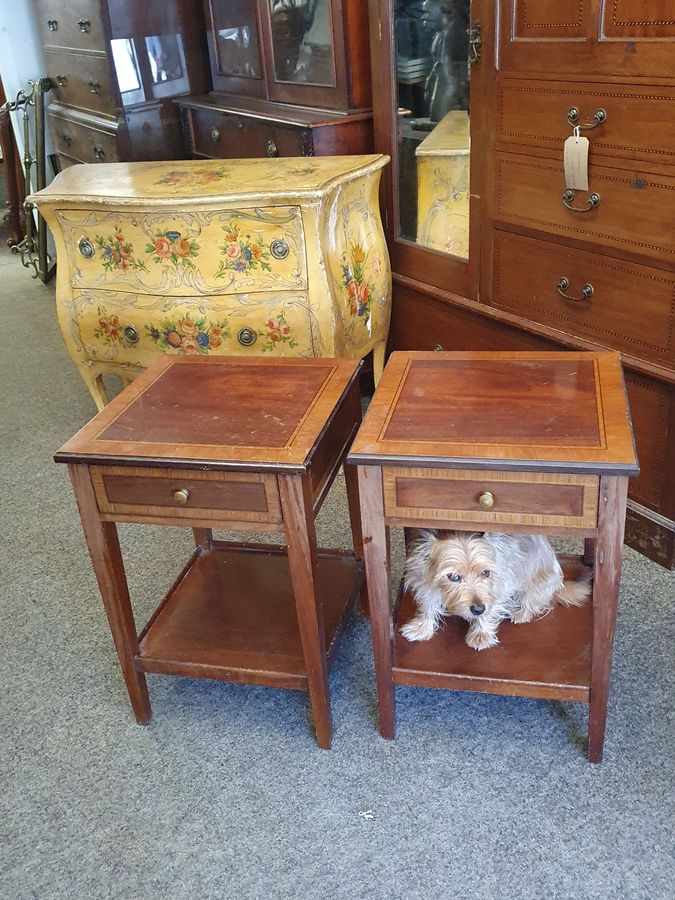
418,629
521,616
481,640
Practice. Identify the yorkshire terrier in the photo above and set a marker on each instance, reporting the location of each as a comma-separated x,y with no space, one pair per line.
484,579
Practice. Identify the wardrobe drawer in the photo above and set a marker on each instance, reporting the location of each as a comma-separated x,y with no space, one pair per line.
630,308
145,493
70,23
635,211
81,80
471,498
225,135
83,142
639,122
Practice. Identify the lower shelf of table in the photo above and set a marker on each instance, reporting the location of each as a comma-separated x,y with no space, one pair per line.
549,658
231,616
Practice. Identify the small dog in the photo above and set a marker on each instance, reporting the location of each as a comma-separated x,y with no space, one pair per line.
484,579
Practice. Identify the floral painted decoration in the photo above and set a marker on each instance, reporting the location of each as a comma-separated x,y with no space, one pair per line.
200,176
170,246
189,335
278,332
242,252
109,330
116,253
359,292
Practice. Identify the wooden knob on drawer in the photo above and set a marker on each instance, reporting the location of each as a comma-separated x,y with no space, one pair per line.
486,500
181,496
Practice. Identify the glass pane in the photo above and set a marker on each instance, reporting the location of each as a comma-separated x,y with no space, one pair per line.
235,32
127,71
165,53
302,41
432,68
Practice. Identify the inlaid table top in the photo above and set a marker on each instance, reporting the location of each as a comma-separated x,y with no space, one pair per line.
561,411
218,413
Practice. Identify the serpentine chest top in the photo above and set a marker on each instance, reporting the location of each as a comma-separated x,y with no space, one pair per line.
282,257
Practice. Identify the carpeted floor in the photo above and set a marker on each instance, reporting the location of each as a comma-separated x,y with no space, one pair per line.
225,794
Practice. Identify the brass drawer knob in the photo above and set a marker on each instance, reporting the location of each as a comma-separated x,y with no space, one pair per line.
215,134
181,496
86,248
94,86
271,149
247,337
486,500
84,25
279,249
67,140
98,152
61,80
53,24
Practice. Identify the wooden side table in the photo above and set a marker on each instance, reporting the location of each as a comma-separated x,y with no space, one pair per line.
244,444
548,436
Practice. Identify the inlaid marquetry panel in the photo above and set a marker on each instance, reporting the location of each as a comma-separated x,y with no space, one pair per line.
527,275
529,193
158,494
549,18
637,19
520,499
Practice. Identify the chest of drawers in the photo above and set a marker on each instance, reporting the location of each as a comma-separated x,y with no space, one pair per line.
278,257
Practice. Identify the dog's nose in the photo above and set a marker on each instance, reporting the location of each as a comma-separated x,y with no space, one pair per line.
477,609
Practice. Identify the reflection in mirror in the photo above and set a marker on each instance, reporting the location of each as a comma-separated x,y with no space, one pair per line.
301,37
126,68
236,36
165,52
432,74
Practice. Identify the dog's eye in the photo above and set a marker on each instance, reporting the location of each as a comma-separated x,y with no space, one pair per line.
486,573
453,576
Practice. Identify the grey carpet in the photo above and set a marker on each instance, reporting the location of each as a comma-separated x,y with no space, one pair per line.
225,794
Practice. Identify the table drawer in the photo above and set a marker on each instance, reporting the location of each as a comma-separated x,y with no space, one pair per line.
228,251
631,307
82,142
534,114
465,498
131,329
159,494
635,213
70,23
81,80
226,135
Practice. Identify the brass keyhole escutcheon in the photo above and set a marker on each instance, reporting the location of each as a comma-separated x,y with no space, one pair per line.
181,496
486,500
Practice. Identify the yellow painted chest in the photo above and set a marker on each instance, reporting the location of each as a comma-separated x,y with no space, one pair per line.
282,257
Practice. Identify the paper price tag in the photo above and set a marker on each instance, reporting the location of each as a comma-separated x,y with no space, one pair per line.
576,162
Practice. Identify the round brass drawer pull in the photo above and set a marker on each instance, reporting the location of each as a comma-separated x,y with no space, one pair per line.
215,134
86,248
131,335
247,337
181,496
486,500
279,249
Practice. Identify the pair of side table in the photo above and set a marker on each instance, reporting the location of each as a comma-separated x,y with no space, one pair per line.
534,442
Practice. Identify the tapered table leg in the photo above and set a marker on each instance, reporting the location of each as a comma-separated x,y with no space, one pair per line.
607,577
298,514
203,537
106,557
376,555
352,484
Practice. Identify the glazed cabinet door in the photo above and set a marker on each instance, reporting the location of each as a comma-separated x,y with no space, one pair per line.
431,65
233,33
596,37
